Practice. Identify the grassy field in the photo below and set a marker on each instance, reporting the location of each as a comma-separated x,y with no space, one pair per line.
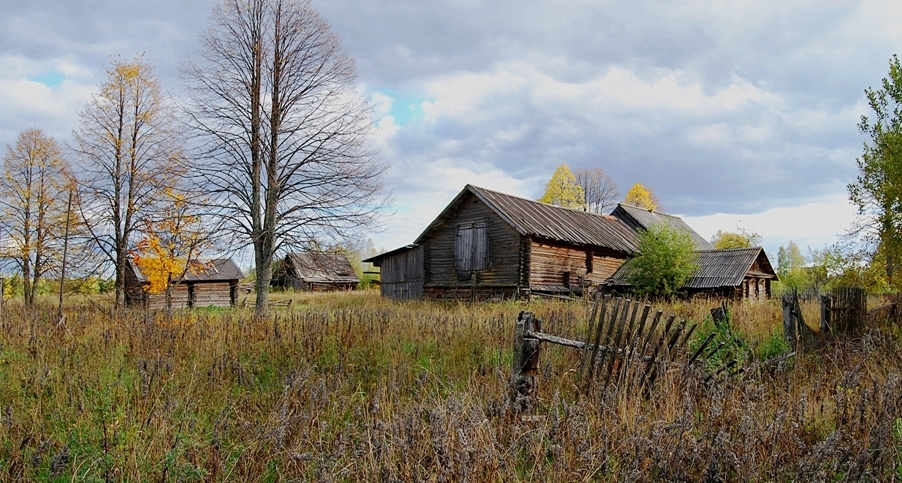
350,387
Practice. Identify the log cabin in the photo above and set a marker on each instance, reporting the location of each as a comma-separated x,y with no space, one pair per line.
738,273
214,285
486,244
315,272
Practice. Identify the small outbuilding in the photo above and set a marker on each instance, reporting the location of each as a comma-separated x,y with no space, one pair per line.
215,284
734,273
315,272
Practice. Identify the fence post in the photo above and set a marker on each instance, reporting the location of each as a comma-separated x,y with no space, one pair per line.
525,361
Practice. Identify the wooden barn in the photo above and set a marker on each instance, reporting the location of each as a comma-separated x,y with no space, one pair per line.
641,218
315,272
487,244
215,286
735,273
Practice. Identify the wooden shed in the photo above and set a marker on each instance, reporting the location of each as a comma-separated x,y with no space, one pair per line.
735,273
315,272
216,285
486,244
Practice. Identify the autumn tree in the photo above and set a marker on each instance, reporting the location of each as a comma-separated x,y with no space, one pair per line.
642,197
563,190
877,191
741,238
791,266
174,237
130,154
33,196
283,134
665,260
600,193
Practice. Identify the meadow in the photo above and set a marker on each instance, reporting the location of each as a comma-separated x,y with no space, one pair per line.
352,387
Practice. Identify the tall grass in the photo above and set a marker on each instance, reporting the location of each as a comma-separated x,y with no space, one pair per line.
351,387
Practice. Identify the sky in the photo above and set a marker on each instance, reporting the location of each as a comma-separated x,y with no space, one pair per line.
735,114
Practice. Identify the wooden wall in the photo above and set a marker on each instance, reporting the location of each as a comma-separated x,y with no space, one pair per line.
157,301
401,275
549,261
504,249
212,294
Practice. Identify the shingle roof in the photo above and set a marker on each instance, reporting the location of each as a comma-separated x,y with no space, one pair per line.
716,268
638,217
318,267
532,218
215,270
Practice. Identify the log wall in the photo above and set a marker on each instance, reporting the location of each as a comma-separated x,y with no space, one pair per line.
548,263
214,294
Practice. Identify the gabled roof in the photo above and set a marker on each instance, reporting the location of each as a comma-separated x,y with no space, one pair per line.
215,270
716,268
532,218
642,218
319,267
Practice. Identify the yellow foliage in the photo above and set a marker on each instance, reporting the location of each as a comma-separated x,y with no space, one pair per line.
642,197
563,190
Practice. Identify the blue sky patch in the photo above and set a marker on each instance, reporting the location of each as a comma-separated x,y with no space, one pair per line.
50,79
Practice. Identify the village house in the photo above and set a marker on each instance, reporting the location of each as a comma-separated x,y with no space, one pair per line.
486,244
215,284
315,272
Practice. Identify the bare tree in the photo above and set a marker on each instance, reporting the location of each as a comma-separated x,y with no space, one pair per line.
130,155
600,190
283,134
32,199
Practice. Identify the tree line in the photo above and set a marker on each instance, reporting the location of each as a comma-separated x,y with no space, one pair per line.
268,148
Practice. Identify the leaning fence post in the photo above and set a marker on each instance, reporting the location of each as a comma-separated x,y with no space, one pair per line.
525,361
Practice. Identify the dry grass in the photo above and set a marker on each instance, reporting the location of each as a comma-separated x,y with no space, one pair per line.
350,387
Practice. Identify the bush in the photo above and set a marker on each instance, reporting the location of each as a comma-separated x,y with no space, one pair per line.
664,261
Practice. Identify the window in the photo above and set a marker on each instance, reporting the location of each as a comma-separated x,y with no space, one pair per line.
471,250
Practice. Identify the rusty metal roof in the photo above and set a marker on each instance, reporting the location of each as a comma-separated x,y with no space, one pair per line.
716,268
638,217
532,218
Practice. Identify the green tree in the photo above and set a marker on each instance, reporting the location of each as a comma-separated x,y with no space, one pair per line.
664,261
791,266
563,190
877,191
642,197
741,238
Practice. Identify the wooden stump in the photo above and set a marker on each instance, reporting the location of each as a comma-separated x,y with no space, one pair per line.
525,362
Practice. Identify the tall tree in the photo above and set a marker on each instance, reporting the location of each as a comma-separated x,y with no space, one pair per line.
642,197
599,190
877,191
563,190
741,238
665,260
130,154
284,134
791,266
33,194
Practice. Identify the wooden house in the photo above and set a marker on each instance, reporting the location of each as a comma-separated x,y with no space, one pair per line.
315,272
215,285
641,218
735,273
486,244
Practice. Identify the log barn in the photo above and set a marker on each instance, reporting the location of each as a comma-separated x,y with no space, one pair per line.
486,244
641,218
315,272
215,285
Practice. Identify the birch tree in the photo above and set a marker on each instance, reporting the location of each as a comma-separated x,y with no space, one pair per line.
284,136
563,190
33,193
642,197
599,190
130,155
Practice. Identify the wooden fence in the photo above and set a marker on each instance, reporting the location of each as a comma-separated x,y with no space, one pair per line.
624,348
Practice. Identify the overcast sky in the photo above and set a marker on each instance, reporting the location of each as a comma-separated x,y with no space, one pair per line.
731,112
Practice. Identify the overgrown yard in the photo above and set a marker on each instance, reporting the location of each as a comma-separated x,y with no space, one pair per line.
351,387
